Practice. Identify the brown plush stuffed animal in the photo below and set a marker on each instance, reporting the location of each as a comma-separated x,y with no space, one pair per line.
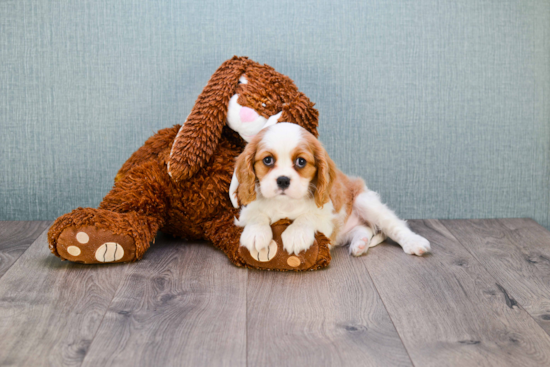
178,182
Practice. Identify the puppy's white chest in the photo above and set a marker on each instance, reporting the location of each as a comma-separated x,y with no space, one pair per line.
279,209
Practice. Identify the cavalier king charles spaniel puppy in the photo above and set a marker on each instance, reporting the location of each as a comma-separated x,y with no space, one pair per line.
284,172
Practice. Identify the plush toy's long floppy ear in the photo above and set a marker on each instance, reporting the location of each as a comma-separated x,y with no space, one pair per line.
300,111
199,135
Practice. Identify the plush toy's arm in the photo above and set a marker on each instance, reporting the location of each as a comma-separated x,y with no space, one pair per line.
276,258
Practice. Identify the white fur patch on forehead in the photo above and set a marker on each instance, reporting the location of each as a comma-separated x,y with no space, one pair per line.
243,80
283,136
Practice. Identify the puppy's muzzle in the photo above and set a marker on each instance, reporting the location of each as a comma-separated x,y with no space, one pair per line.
283,182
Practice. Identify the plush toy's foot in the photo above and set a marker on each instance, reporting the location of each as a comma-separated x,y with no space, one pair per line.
274,257
90,245
93,236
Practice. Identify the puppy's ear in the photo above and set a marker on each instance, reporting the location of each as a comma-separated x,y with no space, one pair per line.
244,169
326,174
300,111
198,138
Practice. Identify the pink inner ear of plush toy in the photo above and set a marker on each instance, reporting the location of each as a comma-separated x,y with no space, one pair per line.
248,114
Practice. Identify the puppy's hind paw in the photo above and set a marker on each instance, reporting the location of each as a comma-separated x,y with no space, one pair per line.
415,245
359,247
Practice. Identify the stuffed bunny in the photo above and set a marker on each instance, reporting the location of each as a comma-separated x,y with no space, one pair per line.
178,181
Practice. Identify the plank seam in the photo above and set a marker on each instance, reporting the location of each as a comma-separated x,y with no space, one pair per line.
30,244
122,279
389,314
505,291
246,317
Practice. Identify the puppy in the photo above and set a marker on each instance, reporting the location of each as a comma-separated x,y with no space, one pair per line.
284,172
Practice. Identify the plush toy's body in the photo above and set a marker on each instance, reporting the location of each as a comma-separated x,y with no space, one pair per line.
178,181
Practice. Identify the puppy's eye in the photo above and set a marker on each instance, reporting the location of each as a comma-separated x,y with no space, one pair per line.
300,162
268,161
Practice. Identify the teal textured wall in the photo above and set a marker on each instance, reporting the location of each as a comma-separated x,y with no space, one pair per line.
442,106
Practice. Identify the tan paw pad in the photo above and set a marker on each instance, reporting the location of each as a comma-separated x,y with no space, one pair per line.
293,261
109,252
82,237
265,254
74,250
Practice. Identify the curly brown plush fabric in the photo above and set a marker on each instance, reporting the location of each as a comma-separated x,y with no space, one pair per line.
178,181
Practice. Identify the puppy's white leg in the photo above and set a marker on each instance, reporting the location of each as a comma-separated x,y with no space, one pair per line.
371,209
360,238
257,233
300,235
256,236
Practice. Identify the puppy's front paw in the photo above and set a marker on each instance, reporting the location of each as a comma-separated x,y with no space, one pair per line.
256,236
415,245
297,238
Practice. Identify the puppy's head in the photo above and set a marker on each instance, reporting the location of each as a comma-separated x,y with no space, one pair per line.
285,161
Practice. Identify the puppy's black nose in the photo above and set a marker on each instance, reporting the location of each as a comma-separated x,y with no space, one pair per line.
283,182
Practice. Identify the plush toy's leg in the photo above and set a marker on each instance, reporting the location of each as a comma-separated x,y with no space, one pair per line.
123,226
226,236
94,236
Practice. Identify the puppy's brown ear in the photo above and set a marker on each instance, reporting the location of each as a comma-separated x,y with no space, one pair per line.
244,169
326,174
300,111
198,138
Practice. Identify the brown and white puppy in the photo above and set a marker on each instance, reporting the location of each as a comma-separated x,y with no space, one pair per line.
284,172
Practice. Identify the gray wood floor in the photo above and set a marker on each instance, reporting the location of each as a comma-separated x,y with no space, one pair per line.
481,299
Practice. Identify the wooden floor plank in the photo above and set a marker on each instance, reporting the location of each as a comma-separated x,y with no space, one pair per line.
517,253
449,310
50,310
183,305
15,238
480,300
332,317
